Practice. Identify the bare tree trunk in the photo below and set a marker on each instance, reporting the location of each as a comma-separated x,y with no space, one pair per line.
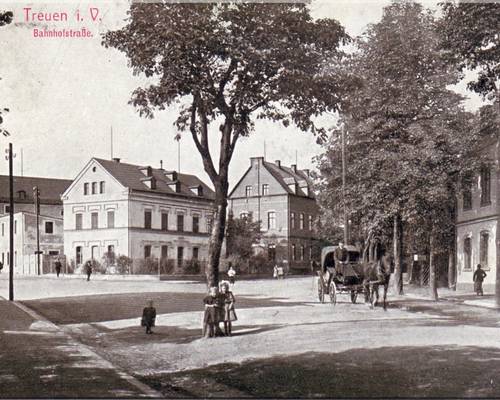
497,273
432,268
216,238
451,268
398,254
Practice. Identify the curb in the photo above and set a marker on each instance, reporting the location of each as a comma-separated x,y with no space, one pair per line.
145,389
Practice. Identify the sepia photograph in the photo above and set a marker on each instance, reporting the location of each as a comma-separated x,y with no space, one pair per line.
249,199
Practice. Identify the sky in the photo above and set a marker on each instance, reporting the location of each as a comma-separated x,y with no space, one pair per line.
65,96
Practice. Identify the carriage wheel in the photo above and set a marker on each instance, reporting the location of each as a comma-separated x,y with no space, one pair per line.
354,296
321,292
333,293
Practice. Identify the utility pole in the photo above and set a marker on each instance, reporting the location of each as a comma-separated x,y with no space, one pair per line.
497,273
11,225
36,197
346,220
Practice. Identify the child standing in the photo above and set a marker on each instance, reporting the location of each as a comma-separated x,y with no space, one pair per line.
148,317
229,314
211,316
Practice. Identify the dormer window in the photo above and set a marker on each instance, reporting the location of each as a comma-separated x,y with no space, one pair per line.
292,185
150,182
197,190
147,171
175,186
172,175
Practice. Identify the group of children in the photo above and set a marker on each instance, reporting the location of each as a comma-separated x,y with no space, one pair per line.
219,307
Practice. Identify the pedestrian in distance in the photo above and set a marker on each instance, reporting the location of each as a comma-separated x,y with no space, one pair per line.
228,313
275,271
148,317
58,267
212,312
231,274
281,272
478,279
88,269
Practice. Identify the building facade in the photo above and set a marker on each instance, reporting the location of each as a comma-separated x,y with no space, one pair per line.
136,211
50,221
476,226
282,199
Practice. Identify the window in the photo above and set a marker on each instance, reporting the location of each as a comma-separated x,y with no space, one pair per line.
196,251
111,219
180,256
147,251
94,220
265,189
49,227
111,248
78,252
248,191
196,223
164,221
15,227
94,187
294,252
467,254
271,252
209,224
147,219
271,220
302,252
485,186
6,209
467,198
180,222
310,252
53,252
78,221
85,188
292,220
483,249
301,220
102,187
8,258
164,252
310,222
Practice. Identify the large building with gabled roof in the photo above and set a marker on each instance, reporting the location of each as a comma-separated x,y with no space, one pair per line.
136,211
282,199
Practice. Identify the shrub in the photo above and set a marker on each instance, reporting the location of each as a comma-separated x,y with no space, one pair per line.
123,264
97,267
167,266
260,264
147,266
191,267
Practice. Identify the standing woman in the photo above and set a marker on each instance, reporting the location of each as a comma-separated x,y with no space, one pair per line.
229,314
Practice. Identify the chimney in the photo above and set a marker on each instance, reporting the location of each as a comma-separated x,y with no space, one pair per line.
278,163
116,159
307,172
294,168
256,161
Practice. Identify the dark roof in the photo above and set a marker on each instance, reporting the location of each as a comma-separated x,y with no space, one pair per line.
50,189
131,177
283,173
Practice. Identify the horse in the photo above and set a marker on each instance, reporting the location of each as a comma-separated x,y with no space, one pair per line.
377,273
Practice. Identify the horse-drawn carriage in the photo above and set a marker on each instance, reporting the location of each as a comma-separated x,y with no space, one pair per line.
344,278
356,275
